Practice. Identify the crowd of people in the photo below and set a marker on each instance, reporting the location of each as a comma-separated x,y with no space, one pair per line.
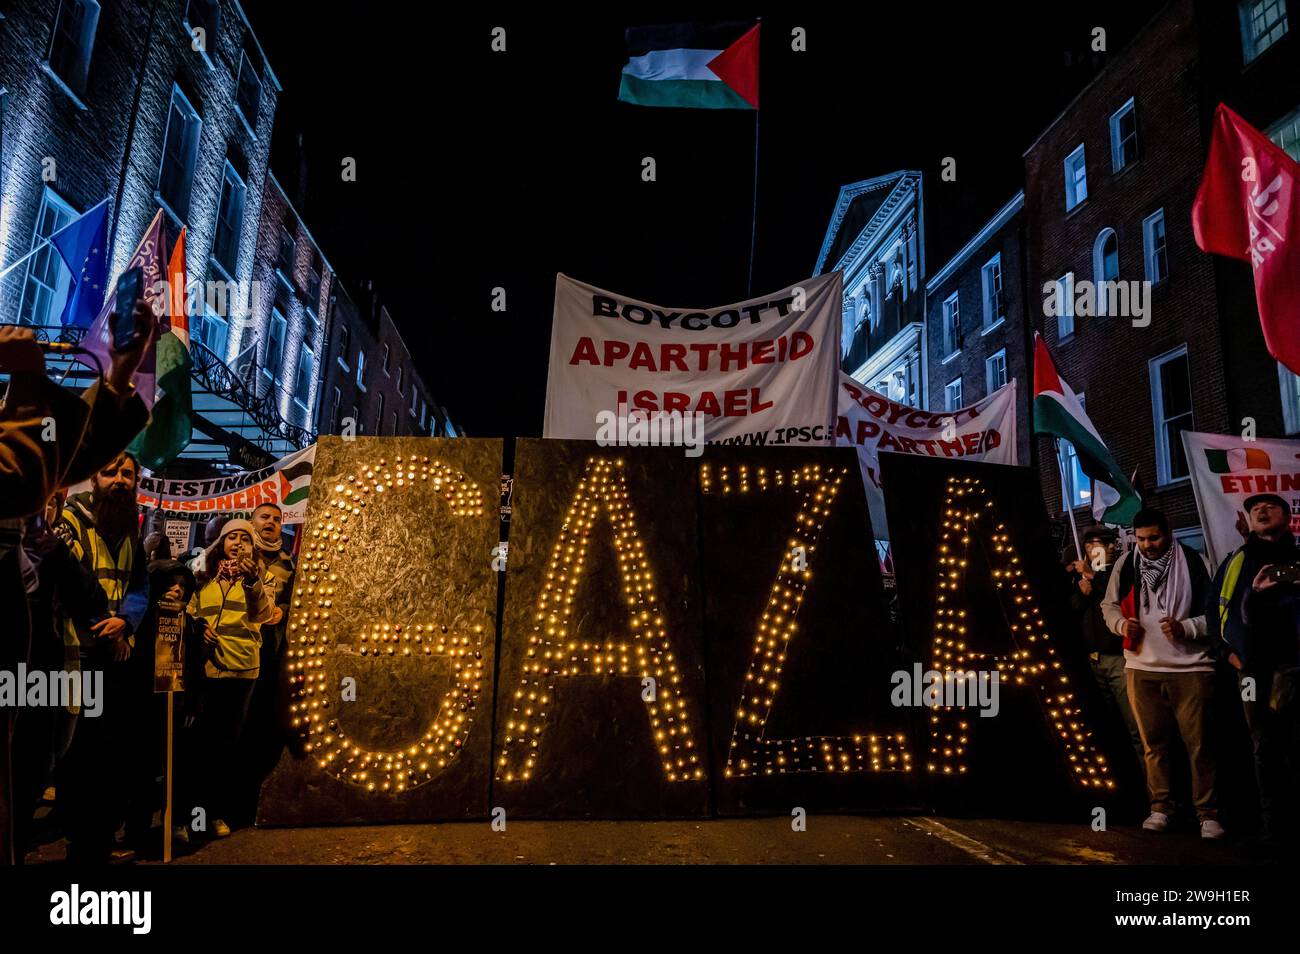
91,584
1175,650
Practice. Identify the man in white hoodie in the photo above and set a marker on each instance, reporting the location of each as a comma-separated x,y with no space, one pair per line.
1155,602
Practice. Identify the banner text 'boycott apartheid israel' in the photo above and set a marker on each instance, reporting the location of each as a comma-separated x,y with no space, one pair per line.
985,431
1226,470
758,372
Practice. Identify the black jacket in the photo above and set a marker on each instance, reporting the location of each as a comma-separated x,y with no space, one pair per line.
1097,637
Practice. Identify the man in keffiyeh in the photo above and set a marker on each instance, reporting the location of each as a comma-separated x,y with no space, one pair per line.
1155,602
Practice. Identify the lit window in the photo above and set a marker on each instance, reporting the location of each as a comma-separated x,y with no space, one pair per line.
952,395
45,291
1287,135
361,369
71,42
204,16
1171,402
1123,136
306,368
1153,247
180,152
951,325
1065,306
1263,23
995,308
1105,268
379,415
995,370
386,356
394,421
248,94
1076,179
230,220
275,345
1078,484
400,370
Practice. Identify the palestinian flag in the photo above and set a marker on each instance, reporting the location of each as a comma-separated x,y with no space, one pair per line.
1057,412
171,420
692,65
1232,461
295,478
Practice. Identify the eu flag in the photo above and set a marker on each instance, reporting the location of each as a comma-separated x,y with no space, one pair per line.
83,245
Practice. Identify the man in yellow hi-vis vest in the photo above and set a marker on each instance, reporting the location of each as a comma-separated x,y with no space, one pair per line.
102,529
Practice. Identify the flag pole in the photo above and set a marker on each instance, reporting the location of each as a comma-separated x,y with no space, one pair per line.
40,245
753,225
1067,498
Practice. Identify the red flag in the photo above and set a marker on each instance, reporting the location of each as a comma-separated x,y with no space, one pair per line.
1248,207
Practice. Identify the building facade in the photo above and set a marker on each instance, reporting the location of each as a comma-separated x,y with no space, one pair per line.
876,239
369,383
977,328
1156,336
153,105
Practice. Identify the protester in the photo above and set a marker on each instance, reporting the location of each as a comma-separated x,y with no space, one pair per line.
50,438
264,739
1257,618
42,733
1105,649
230,602
104,528
1155,602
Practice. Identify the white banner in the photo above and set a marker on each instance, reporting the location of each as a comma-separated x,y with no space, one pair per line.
1226,470
286,482
874,425
757,372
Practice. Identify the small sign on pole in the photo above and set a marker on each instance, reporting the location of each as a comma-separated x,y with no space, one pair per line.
169,677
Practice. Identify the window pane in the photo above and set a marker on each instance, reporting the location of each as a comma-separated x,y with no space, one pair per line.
1175,390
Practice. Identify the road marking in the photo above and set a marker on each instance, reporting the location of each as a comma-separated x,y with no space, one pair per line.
976,849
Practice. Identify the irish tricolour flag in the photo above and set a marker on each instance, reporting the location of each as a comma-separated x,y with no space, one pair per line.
1057,412
694,65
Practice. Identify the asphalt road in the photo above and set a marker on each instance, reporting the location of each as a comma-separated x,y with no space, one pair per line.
828,839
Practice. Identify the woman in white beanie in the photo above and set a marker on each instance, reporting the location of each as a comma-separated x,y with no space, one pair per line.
230,604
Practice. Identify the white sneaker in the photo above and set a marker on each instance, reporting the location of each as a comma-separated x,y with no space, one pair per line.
1157,821
1212,829
220,829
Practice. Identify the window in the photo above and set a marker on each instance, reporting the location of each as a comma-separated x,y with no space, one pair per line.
1290,387
424,412
394,420
248,91
1105,267
400,369
386,356
71,42
335,423
212,331
288,251
414,395
275,345
1076,179
180,151
1153,247
1192,537
379,415
306,367
313,286
203,15
995,309
356,420
951,325
1171,402
1287,135
361,369
995,370
45,291
345,339
1263,23
230,220
1065,306
952,395
1078,484
1123,136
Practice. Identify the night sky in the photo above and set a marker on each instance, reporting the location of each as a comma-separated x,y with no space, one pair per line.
478,169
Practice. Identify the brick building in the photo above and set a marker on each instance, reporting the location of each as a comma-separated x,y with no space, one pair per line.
977,328
1108,197
369,377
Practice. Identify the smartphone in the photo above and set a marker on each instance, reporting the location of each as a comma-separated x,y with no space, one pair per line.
1285,573
129,288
